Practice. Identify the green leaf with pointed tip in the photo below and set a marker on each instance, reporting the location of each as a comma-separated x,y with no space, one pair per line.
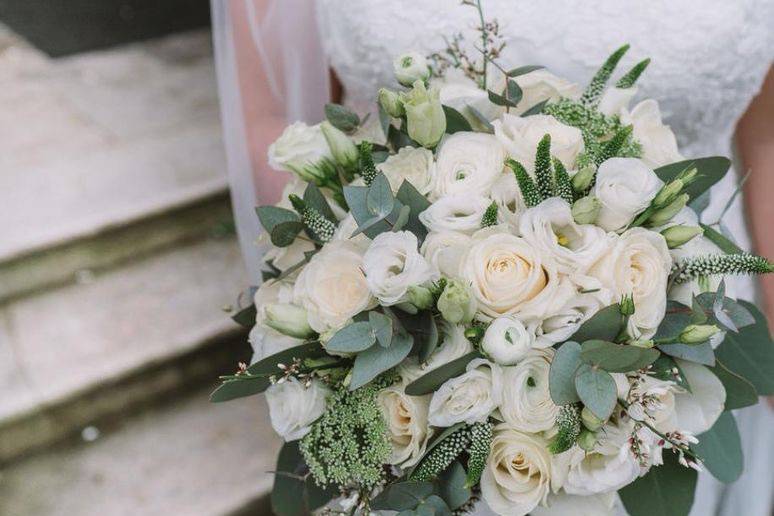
739,392
379,199
342,117
597,390
295,492
699,353
738,315
268,365
314,198
285,233
402,496
270,216
455,122
356,337
616,358
410,196
523,70
603,325
666,490
382,327
233,389
720,449
717,238
356,200
513,91
403,218
710,171
425,334
486,125
429,382
500,100
375,360
246,316
561,376
452,486
536,109
676,318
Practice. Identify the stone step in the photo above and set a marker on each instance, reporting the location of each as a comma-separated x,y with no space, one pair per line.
97,349
189,458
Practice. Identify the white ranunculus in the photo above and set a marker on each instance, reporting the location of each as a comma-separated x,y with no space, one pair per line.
697,411
459,91
659,146
332,287
527,404
562,504
459,212
517,476
407,428
470,397
624,188
346,229
507,340
550,228
520,137
299,145
468,163
508,276
510,204
444,250
453,346
410,67
614,100
293,407
542,85
638,264
392,264
412,164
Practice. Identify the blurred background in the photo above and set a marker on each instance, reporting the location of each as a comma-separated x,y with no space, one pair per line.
117,260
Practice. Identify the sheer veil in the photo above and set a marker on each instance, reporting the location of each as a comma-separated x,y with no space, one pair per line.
271,71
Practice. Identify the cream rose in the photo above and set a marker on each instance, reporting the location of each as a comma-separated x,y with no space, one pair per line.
332,287
659,146
392,264
527,404
453,346
297,147
517,476
293,407
624,188
520,137
444,250
458,212
468,163
507,275
638,264
575,301
542,85
406,418
470,397
507,340
415,165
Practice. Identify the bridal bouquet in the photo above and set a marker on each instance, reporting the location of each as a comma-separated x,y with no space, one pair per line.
499,290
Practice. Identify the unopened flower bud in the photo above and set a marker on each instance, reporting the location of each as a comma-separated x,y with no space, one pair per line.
626,306
586,209
410,67
698,333
474,334
587,440
456,304
583,178
289,320
688,176
664,215
668,193
391,103
642,343
420,297
342,147
591,421
425,119
678,235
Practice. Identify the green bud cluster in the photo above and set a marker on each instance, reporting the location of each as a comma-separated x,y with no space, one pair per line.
490,216
321,228
568,422
594,90
707,265
628,80
366,162
478,451
529,191
442,455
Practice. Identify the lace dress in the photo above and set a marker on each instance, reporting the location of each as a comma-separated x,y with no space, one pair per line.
709,58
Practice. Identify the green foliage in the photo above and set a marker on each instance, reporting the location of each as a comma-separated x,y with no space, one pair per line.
490,216
529,191
402,496
739,391
597,390
455,122
594,90
523,70
295,492
709,171
245,317
563,182
561,376
377,359
707,265
720,449
452,486
431,381
319,228
365,161
478,451
606,324
442,455
543,172
355,337
717,238
614,147
616,358
568,423
341,117
409,196
666,490
240,388
281,224
349,444
628,80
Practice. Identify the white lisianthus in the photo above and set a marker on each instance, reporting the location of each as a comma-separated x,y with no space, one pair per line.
577,299
520,137
293,407
542,85
392,264
332,286
614,100
507,340
453,346
470,397
459,212
410,67
406,418
468,163
624,188
444,250
550,228
298,147
507,275
527,404
425,119
517,476
412,164
459,91
659,145
638,264
697,411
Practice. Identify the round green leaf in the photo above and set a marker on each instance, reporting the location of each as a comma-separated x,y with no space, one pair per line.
377,359
561,376
382,327
285,233
597,390
379,199
452,486
666,490
353,338
402,496
603,325
616,358
739,392
720,448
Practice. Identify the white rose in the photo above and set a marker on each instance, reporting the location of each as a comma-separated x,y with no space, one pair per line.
346,229
614,100
507,340
517,476
299,145
542,85
267,342
392,264
293,407
659,146
406,418
550,228
520,137
459,212
508,276
624,188
410,67
332,287
412,164
527,404
459,91
470,397
445,249
638,264
468,163
697,411
453,346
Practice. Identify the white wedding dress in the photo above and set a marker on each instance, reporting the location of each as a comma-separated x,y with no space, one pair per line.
709,58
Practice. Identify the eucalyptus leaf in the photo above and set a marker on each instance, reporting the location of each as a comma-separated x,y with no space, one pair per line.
270,216
720,449
285,233
663,369
314,198
536,109
500,100
710,171
739,392
699,353
666,490
342,117
353,338
268,365
597,390
523,70
382,327
604,325
433,505
233,389
431,381
455,122
616,358
561,376
377,359
379,199
728,312
452,486
246,316
402,496
410,196
425,331
676,318
356,200
513,91
403,218
295,492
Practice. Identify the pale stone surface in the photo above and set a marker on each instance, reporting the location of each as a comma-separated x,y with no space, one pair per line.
193,459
